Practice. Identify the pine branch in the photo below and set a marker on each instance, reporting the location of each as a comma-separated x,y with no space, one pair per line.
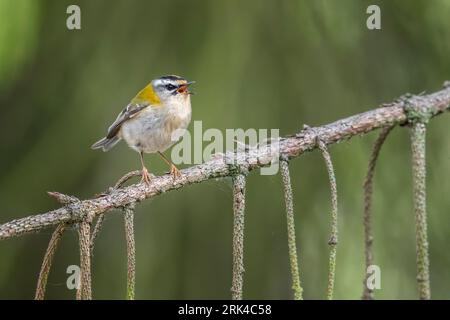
288,147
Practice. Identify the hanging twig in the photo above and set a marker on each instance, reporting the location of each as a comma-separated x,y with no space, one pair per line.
84,232
418,115
131,250
296,284
52,245
367,218
48,259
96,232
332,242
239,182
418,133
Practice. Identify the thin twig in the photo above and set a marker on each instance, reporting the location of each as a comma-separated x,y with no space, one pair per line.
418,134
52,245
96,232
131,250
126,177
84,232
332,242
367,219
63,198
239,182
47,262
296,284
289,147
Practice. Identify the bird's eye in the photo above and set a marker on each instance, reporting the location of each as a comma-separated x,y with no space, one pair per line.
170,87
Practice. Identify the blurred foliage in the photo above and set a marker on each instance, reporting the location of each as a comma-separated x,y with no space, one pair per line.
258,64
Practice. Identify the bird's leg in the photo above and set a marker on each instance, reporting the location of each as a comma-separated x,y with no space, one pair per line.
173,169
145,173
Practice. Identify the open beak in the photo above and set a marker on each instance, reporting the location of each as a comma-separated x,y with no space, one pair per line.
183,88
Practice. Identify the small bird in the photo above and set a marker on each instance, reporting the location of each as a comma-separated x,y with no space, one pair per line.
150,122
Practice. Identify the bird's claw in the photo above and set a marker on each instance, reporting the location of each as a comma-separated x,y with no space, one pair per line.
175,172
146,178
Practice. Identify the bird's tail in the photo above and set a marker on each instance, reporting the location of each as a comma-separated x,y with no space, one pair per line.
106,143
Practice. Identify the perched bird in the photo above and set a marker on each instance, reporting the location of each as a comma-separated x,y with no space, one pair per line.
150,122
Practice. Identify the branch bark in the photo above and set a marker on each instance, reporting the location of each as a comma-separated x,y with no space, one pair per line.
289,147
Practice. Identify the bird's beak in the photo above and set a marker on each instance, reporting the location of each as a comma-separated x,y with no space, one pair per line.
183,88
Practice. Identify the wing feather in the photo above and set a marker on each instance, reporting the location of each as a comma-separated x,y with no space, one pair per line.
129,112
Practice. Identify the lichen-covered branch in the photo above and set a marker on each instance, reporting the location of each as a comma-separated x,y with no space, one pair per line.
131,250
96,232
288,147
418,133
332,242
48,259
288,198
367,218
84,233
238,235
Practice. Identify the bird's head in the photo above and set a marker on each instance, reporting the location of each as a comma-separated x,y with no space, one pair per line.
170,88
164,90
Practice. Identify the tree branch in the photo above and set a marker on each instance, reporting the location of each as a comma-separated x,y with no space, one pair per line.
289,147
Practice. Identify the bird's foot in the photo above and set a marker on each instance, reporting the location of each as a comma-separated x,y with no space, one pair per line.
175,172
146,177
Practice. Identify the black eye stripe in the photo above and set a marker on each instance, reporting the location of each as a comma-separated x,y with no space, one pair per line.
170,87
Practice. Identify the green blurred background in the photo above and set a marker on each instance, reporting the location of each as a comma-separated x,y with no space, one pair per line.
258,64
